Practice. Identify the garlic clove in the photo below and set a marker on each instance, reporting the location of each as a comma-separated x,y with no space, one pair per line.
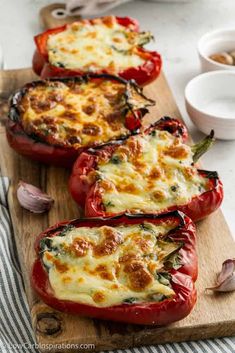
227,286
226,278
228,267
33,199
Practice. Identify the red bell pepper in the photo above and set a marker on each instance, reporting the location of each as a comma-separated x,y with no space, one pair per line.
49,152
143,74
86,192
182,277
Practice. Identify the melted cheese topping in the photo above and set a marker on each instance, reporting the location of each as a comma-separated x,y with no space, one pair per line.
105,266
149,173
75,114
102,45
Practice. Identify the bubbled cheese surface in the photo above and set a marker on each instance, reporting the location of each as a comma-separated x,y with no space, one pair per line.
76,114
105,266
92,47
149,173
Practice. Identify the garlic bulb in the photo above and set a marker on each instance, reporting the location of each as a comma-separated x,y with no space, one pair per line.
33,199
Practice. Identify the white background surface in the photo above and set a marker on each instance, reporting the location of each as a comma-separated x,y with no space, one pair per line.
176,26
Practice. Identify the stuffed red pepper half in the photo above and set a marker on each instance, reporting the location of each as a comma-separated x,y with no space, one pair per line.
110,44
52,121
153,172
136,269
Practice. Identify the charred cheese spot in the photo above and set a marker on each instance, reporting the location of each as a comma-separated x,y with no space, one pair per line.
124,150
143,243
41,106
128,257
133,267
155,172
189,173
79,247
75,26
135,147
66,279
114,286
104,44
98,297
113,117
106,185
109,21
179,152
89,109
129,188
75,114
140,279
153,266
59,265
89,47
109,245
91,129
103,272
104,266
80,280
138,276
48,256
159,195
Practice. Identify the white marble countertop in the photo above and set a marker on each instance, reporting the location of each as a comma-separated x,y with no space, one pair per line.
176,27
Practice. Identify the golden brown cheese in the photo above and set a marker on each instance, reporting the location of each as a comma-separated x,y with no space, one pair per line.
79,247
149,173
76,114
104,44
105,266
110,242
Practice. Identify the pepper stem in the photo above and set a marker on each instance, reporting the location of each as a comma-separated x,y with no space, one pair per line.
203,146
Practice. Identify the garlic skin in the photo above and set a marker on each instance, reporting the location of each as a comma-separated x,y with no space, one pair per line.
33,199
226,278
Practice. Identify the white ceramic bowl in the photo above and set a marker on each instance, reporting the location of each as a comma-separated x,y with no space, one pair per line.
215,42
210,103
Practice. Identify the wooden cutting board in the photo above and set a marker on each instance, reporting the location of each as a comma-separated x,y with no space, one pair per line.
213,316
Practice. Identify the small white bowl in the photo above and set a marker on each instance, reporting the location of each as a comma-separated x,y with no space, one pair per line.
222,40
210,103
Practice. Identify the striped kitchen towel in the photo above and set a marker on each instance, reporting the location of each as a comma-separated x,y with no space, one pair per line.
16,334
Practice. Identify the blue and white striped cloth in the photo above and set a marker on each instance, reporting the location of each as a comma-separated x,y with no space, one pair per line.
16,334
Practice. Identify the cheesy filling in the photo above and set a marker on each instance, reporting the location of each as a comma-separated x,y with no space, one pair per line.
106,266
104,44
76,114
149,173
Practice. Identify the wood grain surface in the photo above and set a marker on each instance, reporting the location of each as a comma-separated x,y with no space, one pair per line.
213,316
